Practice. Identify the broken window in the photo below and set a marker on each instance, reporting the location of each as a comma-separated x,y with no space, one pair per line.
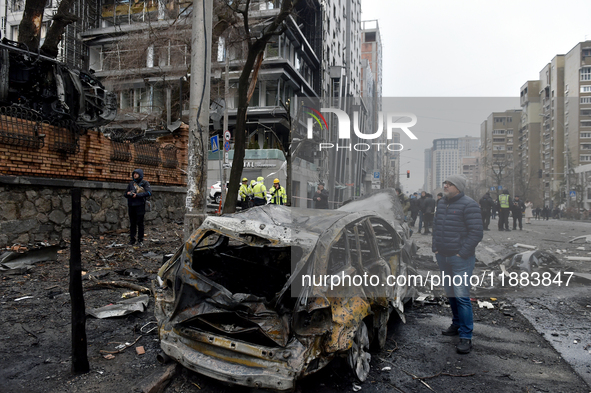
386,238
243,268
338,258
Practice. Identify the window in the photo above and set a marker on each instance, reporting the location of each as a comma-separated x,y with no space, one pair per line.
370,36
585,112
499,140
586,52
339,257
586,89
586,74
386,238
585,158
585,123
585,100
509,132
499,147
498,132
585,134
586,146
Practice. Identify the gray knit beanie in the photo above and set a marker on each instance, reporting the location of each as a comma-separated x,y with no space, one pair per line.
458,180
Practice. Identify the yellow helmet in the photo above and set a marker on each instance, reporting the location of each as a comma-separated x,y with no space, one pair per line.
275,181
244,179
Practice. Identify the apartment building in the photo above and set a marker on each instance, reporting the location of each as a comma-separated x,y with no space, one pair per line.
577,105
498,134
371,91
552,113
528,144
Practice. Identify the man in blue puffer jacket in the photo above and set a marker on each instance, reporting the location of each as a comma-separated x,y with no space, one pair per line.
137,192
457,230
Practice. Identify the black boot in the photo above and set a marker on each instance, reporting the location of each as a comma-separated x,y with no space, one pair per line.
452,330
464,346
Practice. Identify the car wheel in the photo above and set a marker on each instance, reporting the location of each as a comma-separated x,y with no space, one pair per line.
217,198
358,357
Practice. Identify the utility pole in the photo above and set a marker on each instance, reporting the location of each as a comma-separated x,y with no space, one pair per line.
198,116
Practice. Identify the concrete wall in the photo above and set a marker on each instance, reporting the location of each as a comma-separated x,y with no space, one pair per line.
36,209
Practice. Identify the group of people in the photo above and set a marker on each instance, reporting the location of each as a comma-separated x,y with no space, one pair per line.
421,207
255,193
506,206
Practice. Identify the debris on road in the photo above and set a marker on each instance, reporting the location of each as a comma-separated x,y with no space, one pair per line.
524,246
16,262
586,237
121,308
483,304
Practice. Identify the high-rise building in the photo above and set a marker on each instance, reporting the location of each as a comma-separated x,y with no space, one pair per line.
528,142
577,105
498,154
552,113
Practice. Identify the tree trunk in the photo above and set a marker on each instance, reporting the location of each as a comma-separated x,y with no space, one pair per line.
29,31
55,33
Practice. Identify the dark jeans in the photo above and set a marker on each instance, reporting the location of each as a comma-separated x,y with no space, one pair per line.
457,289
517,217
485,218
136,222
428,217
420,220
503,219
413,218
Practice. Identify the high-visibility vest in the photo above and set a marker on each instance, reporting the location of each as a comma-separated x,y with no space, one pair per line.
243,191
504,201
259,190
278,196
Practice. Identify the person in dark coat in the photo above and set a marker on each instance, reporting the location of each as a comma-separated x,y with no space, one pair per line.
428,212
414,208
457,230
137,192
517,209
321,197
421,206
486,205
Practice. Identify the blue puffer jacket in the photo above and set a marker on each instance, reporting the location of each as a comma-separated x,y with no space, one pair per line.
457,227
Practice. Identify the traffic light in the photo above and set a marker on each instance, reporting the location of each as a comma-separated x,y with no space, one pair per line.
408,173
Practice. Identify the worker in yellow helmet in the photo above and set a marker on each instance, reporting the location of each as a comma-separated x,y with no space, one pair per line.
278,194
243,192
260,192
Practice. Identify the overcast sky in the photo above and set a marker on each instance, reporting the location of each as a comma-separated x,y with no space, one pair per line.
466,48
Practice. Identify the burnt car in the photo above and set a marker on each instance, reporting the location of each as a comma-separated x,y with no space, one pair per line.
246,299
52,89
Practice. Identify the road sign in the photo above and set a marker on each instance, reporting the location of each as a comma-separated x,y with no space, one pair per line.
376,175
227,146
492,188
215,146
225,157
500,187
227,136
573,194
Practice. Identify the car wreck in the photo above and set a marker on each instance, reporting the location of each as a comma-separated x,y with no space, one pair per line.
52,89
246,300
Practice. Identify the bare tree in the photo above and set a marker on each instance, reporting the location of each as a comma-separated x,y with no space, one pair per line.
30,26
257,35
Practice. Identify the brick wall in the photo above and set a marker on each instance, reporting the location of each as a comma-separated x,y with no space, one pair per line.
94,160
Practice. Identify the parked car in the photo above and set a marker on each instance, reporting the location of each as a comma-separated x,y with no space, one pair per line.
215,191
240,301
